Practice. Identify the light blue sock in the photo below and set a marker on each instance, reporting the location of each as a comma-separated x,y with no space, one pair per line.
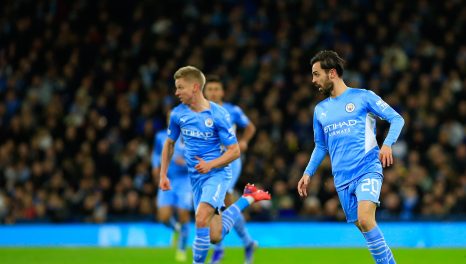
378,247
231,214
184,233
201,244
171,223
218,246
240,228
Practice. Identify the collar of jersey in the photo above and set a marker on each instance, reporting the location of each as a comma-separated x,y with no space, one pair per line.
341,95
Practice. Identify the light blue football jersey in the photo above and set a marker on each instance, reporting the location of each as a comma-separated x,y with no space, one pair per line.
344,127
237,116
175,170
238,119
203,133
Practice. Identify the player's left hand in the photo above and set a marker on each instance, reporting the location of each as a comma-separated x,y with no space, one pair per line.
203,166
386,156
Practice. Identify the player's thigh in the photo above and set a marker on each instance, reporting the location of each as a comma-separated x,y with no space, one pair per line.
349,203
229,199
214,190
165,201
236,166
204,214
368,188
164,213
183,215
368,193
366,212
183,195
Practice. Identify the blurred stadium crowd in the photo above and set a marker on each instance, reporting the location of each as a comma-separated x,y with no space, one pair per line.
84,85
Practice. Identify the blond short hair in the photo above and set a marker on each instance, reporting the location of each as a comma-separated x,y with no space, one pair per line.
191,73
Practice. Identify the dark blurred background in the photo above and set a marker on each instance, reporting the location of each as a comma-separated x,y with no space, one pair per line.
84,85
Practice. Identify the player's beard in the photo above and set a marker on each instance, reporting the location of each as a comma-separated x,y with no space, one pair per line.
327,88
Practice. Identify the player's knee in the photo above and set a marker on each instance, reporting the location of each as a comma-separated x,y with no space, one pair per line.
366,223
183,217
163,218
202,220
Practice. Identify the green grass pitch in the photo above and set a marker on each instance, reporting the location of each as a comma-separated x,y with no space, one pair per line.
232,256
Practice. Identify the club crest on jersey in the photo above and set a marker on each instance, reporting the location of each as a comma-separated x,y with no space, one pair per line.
209,122
349,107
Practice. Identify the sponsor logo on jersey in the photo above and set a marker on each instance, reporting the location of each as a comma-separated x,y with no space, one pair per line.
209,122
349,107
340,125
197,134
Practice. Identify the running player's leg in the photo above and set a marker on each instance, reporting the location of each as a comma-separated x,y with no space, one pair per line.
183,206
230,215
166,200
239,225
368,192
202,239
209,195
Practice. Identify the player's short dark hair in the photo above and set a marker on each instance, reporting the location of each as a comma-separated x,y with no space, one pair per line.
329,59
213,78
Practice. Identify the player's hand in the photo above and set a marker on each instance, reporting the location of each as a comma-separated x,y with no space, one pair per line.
164,183
386,156
243,145
202,167
302,186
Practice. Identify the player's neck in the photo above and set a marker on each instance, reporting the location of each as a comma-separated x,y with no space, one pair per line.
339,87
200,105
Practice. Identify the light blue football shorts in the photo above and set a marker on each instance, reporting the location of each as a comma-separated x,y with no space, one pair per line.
365,188
211,188
180,195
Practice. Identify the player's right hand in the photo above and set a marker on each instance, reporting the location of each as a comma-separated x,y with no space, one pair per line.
302,186
164,184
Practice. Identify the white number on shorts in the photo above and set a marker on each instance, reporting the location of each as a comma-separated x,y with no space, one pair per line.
374,185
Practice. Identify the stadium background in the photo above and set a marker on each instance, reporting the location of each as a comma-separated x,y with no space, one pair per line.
84,85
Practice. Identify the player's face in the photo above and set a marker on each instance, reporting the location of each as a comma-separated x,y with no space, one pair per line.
213,91
185,90
321,80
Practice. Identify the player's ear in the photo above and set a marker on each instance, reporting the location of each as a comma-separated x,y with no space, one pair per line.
196,86
333,73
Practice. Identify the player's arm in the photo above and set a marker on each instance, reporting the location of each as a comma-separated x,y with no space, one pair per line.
155,160
249,129
227,139
376,105
173,132
167,153
247,135
232,152
318,155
